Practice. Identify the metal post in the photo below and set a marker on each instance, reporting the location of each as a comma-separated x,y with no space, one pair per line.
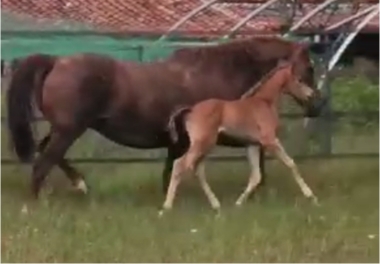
334,46
245,20
345,38
140,52
187,17
350,37
326,131
330,59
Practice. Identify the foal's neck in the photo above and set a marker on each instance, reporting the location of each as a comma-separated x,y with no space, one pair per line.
270,90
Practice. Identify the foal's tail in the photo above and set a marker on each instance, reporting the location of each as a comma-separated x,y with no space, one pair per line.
176,125
28,77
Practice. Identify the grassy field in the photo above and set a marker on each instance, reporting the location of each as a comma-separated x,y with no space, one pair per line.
117,221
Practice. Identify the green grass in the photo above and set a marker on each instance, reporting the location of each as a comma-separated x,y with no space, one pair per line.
117,221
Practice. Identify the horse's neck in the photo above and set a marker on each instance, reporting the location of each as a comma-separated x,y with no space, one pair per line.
270,91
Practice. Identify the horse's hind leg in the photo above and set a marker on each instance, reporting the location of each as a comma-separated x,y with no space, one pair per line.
255,176
281,154
53,153
76,178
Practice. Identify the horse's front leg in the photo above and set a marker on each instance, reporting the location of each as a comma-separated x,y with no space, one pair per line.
277,149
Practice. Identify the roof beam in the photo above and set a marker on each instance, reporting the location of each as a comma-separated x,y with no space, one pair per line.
245,20
350,18
309,15
188,16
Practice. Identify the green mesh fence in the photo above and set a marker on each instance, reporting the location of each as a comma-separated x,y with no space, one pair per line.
14,46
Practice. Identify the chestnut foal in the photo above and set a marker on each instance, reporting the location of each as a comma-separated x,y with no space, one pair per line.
253,118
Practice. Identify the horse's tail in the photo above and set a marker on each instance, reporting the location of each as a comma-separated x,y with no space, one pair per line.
175,125
27,78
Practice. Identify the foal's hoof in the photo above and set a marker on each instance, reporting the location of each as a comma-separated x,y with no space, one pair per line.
162,212
217,212
315,201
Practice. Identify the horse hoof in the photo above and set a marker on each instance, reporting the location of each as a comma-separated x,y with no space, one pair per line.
24,209
81,186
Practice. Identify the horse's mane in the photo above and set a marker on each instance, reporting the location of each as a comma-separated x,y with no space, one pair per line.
241,49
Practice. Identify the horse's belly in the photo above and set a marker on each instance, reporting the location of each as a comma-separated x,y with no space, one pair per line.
131,135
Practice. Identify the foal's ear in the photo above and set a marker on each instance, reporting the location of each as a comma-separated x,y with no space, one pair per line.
282,63
303,45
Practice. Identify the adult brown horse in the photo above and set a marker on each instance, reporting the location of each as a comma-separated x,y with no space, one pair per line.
130,103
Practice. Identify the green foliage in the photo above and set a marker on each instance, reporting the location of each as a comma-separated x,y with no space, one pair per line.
355,94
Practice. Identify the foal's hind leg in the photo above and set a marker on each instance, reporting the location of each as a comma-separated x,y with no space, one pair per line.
179,168
281,154
255,176
174,152
188,163
201,174
76,178
53,153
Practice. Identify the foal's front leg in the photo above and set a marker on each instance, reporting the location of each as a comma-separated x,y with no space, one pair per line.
181,166
255,177
281,154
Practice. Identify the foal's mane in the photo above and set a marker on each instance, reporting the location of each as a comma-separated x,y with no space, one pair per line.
281,64
263,80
